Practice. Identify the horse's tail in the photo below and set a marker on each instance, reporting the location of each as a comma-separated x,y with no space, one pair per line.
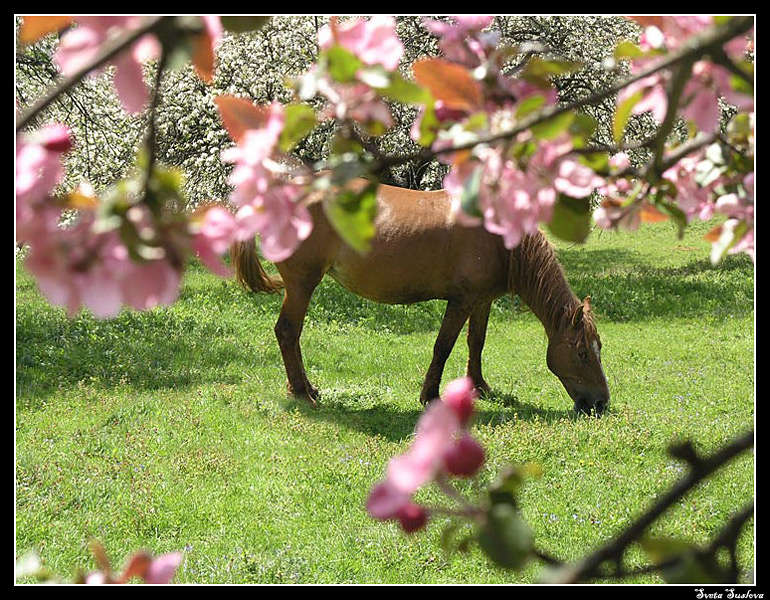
248,270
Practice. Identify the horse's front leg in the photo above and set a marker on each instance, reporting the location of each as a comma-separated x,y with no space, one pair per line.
454,318
477,333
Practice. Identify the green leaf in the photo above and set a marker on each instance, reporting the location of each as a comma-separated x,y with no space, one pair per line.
582,129
341,64
739,84
623,114
554,127
300,120
596,161
571,219
469,199
510,481
529,105
393,86
539,70
243,24
429,125
627,49
505,537
352,214
684,563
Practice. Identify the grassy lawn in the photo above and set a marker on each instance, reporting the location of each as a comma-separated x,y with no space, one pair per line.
171,430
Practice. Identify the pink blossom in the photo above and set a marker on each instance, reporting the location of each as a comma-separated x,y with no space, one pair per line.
386,501
514,198
460,396
434,435
80,45
691,197
158,570
679,28
216,231
39,169
269,204
464,457
358,102
442,446
412,517
373,41
462,40
653,98
79,266
611,213
575,179
150,284
163,568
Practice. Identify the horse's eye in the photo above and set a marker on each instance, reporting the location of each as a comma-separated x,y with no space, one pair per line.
583,354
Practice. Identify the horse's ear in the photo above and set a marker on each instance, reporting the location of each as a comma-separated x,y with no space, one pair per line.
582,309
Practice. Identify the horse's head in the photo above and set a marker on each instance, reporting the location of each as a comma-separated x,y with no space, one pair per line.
574,356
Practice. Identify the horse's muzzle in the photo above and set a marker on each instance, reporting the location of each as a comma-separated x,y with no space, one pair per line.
591,406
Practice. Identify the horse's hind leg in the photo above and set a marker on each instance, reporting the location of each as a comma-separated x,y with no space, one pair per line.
288,330
477,333
454,318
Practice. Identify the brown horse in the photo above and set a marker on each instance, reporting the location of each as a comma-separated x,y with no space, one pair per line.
419,253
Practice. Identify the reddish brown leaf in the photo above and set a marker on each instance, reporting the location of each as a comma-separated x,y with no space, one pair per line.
137,566
650,214
646,20
449,82
36,26
714,234
204,56
239,115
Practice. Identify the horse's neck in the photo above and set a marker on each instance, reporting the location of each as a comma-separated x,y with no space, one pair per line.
538,279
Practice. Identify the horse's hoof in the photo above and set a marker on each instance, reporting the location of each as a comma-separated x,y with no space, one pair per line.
482,388
426,397
306,396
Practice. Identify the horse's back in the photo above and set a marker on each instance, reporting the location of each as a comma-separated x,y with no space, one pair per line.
418,252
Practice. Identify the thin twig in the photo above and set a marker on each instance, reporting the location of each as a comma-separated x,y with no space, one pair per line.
109,51
700,468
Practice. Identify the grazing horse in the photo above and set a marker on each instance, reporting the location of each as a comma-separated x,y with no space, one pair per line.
420,253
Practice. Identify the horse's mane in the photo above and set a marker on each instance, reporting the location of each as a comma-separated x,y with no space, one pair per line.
535,274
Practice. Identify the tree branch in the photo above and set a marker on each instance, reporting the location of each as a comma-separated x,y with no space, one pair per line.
700,468
708,43
109,51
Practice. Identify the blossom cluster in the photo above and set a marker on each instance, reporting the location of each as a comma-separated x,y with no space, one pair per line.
81,45
141,565
442,447
268,202
515,190
115,254
152,570
708,82
374,43
700,188
131,257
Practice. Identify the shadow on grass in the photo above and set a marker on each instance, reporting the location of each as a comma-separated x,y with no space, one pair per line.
396,425
624,288
149,351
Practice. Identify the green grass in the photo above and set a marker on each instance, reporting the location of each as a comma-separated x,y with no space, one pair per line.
171,429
